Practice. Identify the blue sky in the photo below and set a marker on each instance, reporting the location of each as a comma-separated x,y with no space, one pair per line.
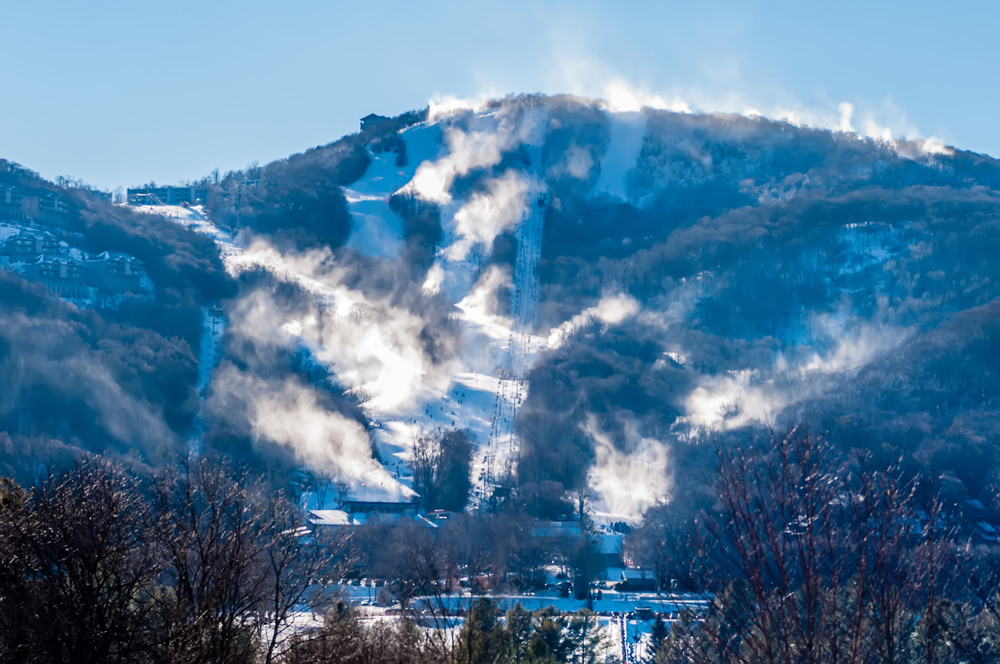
120,93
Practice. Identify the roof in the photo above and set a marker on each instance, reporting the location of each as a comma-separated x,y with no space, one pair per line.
113,256
610,544
373,116
424,522
331,518
49,259
568,529
636,574
36,233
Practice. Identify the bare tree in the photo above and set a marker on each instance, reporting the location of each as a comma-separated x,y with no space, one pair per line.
238,561
77,571
817,558
300,566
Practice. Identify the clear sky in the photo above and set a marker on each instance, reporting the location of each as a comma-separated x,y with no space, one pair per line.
120,93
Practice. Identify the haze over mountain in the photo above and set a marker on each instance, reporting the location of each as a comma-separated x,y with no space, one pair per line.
592,297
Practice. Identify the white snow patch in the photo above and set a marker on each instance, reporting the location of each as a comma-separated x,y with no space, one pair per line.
628,129
376,229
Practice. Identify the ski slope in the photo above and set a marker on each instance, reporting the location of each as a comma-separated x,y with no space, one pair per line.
486,384
628,130
522,346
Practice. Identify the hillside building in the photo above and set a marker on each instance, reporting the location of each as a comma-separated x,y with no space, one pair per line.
29,243
115,273
372,120
24,205
637,579
570,531
366,507
167,196
59,274
10,204
48,208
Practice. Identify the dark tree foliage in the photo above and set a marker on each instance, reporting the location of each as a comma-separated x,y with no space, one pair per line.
183,265
749,232
79,573
814,556
97,566
298,202
93,384
442,468
608,374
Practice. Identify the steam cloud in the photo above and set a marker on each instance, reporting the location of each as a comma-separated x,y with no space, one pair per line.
489,214
289,413
373,344
627,483
749,396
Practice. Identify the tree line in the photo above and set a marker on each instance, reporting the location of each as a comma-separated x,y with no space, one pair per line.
811,555
805,554
201,564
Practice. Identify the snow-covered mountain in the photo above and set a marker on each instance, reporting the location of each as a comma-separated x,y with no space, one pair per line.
593,297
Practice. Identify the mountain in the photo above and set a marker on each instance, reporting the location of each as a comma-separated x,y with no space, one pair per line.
595,299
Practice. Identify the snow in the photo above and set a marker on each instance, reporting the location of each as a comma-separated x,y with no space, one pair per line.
195,219
8,231
627,133
377,230
331,518
487,382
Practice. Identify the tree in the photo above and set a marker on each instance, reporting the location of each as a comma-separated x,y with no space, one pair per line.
657,635
817,558
238,561
78,572
298,564
441,468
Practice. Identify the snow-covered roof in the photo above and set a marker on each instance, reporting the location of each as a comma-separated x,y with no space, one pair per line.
49,259
424,522
636,575
8,231
113,256
331,518
35,233
610,544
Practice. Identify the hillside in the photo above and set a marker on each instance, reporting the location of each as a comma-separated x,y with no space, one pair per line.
595,299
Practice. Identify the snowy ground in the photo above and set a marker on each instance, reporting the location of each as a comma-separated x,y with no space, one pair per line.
487,384
627,133
378,231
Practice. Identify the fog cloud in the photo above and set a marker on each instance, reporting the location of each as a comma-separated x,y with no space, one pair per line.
628,482
375,345
289,413
758,395
502,206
